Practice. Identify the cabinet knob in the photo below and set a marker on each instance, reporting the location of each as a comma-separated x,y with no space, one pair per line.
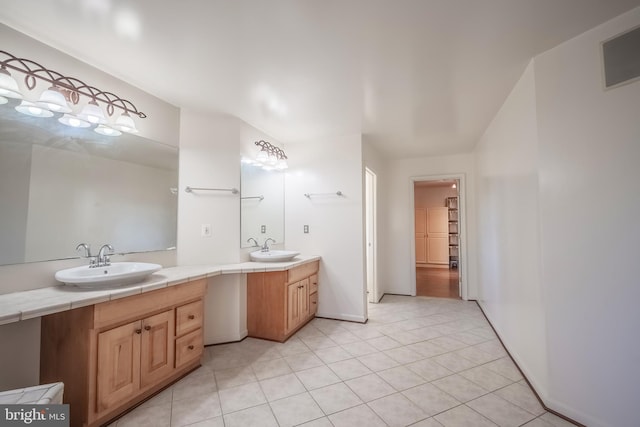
191,317
138,331
190,347
314,302
147,328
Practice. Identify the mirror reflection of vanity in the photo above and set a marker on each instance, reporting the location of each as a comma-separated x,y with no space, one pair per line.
261,205
61,186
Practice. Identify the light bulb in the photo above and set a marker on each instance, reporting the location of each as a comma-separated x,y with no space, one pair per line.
52,99
8,85
73,121
30,109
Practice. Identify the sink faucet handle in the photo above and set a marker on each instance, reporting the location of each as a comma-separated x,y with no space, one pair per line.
265,246
87,249
103,257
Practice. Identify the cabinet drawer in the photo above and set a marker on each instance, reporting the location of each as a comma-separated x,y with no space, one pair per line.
313,284
305,270
313,304
189,348
188,317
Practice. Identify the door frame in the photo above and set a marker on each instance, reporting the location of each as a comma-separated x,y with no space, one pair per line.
371,228
462,229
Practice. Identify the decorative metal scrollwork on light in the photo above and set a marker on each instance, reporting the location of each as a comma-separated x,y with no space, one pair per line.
65,90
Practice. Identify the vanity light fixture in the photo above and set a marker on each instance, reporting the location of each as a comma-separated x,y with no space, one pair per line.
270,156
33,110
63,95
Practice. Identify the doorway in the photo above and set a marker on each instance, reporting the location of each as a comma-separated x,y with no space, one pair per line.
437,238
370,233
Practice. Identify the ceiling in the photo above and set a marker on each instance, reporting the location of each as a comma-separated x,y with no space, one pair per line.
414,77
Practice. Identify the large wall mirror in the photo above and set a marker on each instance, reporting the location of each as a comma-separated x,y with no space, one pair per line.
262,204
60,186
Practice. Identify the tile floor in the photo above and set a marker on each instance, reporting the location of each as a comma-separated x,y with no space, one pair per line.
418,361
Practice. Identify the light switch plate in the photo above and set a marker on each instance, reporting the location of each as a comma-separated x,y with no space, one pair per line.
306,229
206,230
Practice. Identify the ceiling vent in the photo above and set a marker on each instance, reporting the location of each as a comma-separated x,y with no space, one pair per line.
621,57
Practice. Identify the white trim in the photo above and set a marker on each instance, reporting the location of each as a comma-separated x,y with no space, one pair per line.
462,211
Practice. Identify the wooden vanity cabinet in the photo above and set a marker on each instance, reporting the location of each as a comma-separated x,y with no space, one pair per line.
281,302
115,354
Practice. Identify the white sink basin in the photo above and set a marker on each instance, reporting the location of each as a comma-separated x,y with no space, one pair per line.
273,256
116,274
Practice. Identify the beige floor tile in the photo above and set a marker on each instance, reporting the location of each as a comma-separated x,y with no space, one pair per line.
333,354
317,377
555,421
538,422
281,387
334,398
241,397
343,337
302,361
271,368
430,399
397,410
211,422
359,348
501,412
318,342
506,368
150,416
296,410
233,377
294,345
403,355
190,411
378,361
448,343
463,416
427,349
429,422
163,398
485,378
460,388
320,422
370,387
401,378
384,343
348,369
428,369
468,338
521,396
453,362
258,416
478,357
194,386
359,416
408,337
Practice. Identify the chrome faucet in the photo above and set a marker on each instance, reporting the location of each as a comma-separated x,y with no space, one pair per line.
103,258
265,246
255,242
87,253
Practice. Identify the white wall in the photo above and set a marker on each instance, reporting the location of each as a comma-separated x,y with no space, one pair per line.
397,263
511,291
589,186
562,156
210,157
335,223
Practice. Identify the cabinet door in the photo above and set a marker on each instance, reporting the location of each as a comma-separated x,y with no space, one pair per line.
118,365
437,236
293,306
303,299
421,235
156,350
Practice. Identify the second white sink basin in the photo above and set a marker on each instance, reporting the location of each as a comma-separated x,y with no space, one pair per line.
116,274
273,256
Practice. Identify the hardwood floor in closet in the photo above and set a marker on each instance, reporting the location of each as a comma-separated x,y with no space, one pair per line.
437,282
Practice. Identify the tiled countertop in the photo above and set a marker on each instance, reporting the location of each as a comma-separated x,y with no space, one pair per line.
40,395
25,305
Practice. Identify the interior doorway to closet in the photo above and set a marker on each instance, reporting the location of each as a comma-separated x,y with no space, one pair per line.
437,238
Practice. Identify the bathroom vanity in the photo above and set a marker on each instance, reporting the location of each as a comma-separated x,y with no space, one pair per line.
281,302
115,354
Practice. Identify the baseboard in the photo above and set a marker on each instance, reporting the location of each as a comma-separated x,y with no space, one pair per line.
226,338
535,392
342,316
